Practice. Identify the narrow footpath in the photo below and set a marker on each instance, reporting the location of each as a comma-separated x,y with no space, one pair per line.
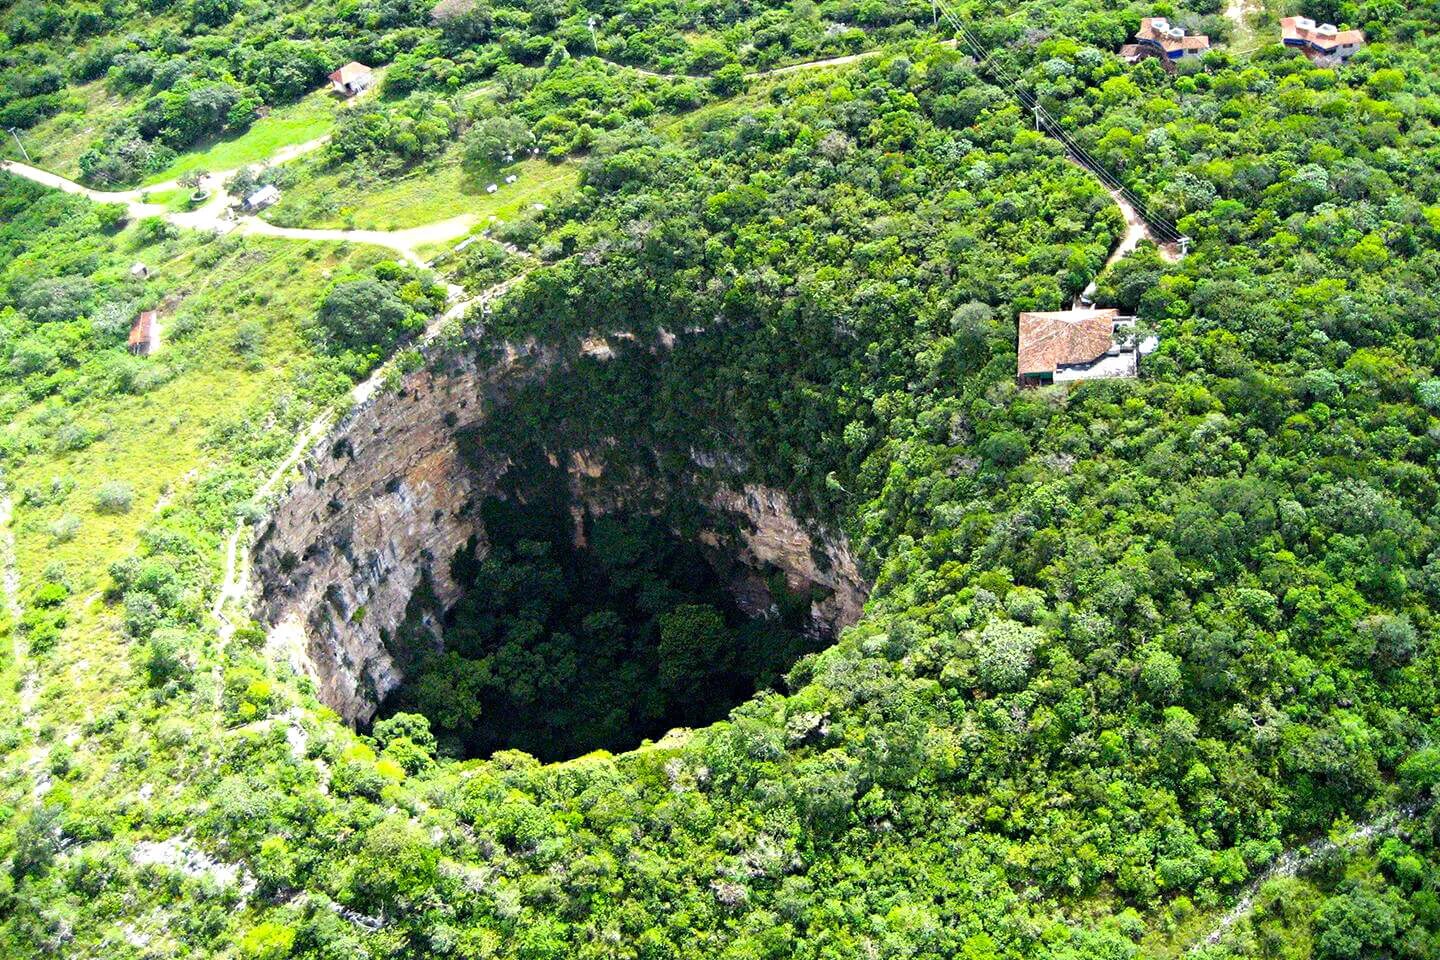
1136,229
235,580
216,214
1295,862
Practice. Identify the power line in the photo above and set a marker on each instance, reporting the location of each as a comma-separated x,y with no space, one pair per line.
1159,224
1080,153
1043,116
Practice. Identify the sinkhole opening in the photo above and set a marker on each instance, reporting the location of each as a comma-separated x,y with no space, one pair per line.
577,633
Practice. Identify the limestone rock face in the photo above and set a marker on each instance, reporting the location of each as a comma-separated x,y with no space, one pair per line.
390,496
383,505
774,536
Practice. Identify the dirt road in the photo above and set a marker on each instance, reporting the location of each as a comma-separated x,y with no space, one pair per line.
216,213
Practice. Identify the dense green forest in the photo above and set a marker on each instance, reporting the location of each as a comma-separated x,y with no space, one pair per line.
558,648
1130,644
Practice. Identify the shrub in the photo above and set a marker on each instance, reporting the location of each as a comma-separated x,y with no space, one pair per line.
50,594
114,496
267,941
64,528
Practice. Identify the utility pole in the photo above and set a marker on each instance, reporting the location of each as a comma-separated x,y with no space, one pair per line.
935,12
594,38
1037,117
23,152
1184,246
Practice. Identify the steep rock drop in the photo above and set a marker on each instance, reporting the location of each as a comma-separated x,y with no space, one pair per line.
359,557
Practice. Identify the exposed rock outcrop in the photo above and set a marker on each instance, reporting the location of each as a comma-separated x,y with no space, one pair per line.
382,507
773,536
393,493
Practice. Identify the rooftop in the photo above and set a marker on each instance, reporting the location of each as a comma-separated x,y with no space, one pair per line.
266,194
1160,32
142,331
1323,35
354,70
1052,340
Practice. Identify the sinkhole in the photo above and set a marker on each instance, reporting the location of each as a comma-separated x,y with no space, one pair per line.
576,632
504,543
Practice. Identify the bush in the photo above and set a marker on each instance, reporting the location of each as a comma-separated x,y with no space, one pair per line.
50,594
64,528
114,497
267,941
166,658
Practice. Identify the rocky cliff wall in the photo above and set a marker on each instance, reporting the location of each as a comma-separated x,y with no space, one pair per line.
382,505
387,499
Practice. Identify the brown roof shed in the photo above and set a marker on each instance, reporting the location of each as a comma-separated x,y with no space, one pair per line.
142,333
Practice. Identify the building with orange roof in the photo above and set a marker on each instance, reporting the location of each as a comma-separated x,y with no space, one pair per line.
352,78
1158,38
1069,345
1322,41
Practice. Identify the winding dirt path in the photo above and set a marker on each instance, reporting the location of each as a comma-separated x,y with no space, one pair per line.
1292,862
404,242
133,198
1136,229
235,580
216,214
130,198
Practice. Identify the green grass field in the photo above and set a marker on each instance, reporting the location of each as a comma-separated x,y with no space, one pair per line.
57,142
294,123
324,197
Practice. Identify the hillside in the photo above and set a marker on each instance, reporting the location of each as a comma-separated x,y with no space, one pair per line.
593,512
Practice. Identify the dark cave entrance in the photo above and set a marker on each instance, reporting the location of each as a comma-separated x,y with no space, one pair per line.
577,633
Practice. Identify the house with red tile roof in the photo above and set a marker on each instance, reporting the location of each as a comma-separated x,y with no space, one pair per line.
1321,42
1069,345
1158,38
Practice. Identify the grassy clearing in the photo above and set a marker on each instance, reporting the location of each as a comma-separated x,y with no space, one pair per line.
57,142
155,442
322,197
177,199
306,119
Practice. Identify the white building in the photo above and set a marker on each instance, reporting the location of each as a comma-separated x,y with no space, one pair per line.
266,196
351,79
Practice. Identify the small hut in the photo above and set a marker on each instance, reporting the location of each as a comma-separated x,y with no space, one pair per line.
266,196
140,271
143,333
351,79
